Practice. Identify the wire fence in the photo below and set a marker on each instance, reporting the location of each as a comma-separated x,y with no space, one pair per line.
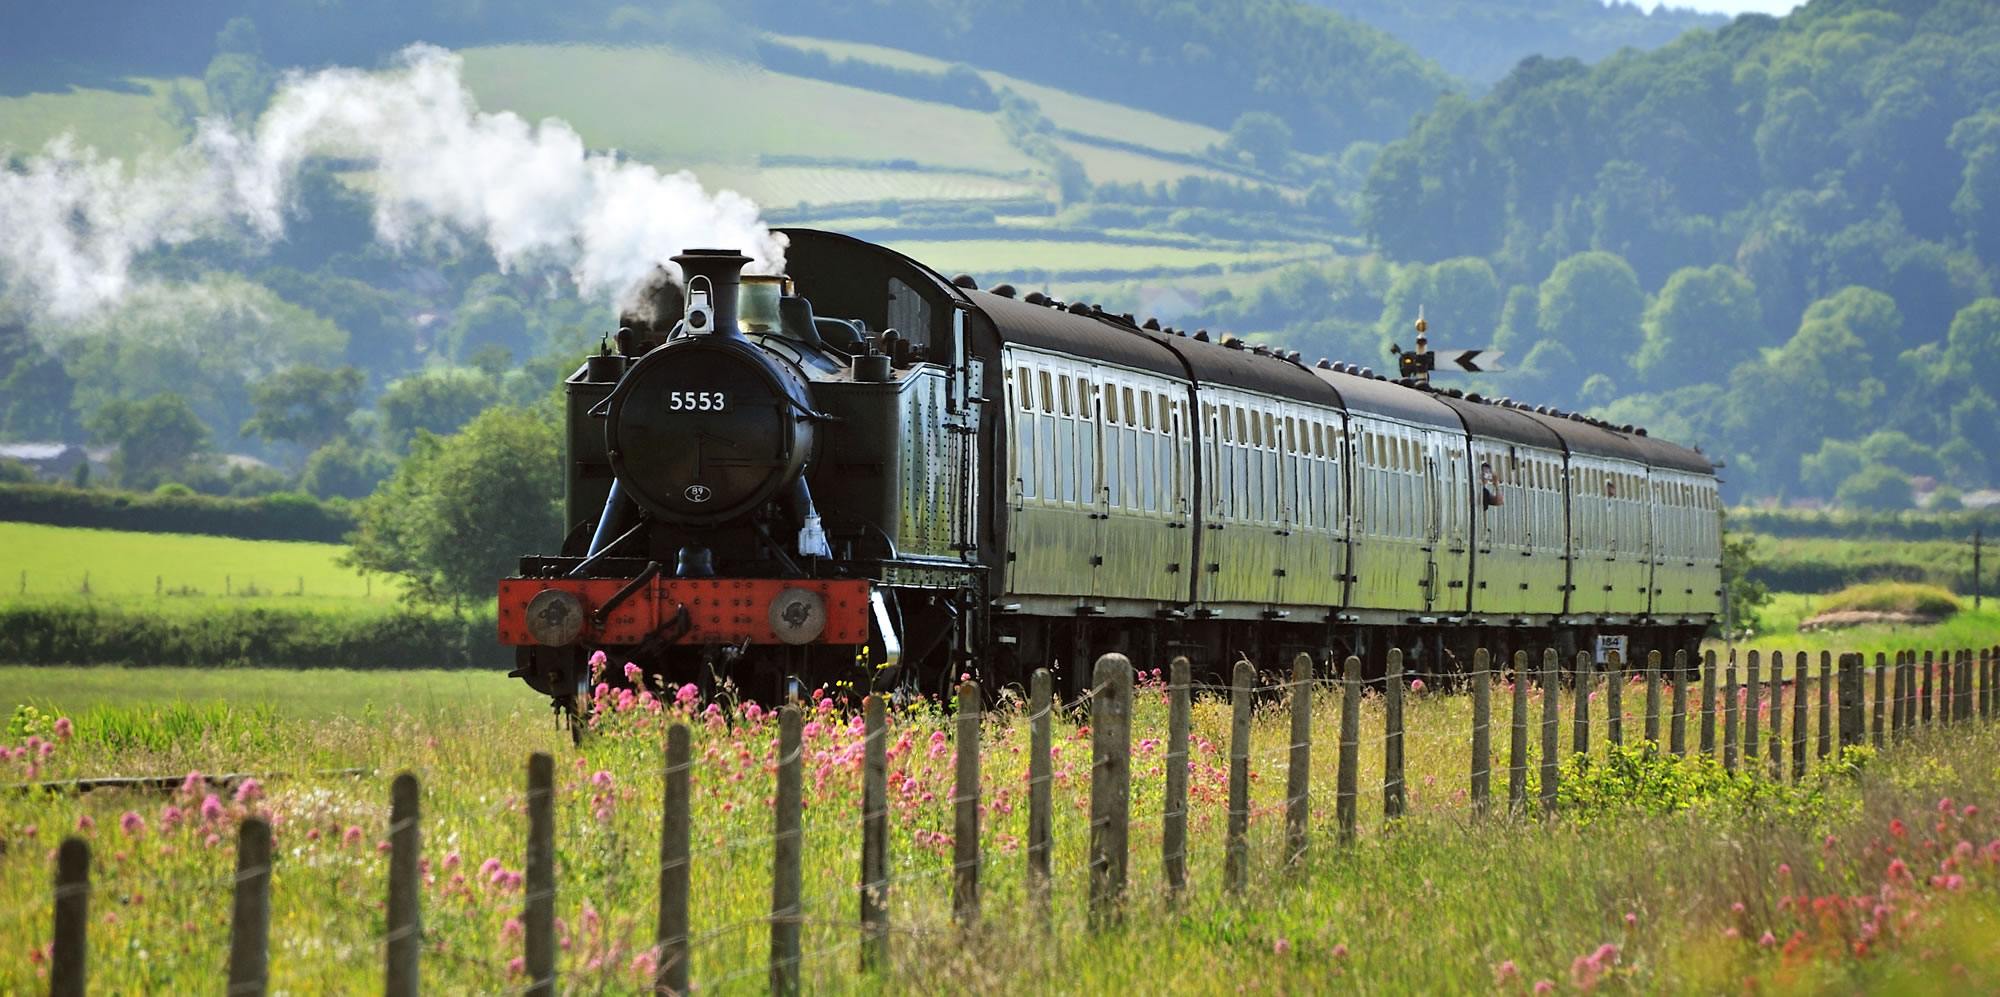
1526,702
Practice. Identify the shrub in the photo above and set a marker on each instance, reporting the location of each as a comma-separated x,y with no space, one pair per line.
1894,597
80,633
278,516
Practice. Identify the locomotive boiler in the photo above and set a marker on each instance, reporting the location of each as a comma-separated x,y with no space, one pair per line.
867,473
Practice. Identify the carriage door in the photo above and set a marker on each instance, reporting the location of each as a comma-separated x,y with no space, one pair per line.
1433,524
1454,557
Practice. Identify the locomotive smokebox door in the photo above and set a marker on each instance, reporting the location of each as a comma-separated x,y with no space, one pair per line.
798,616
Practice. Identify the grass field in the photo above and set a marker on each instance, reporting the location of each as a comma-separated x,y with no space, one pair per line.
56,562
118,123
1969,628
1697,883
1003,255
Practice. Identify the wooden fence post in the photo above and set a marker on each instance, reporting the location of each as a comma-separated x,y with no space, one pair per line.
1551,705
250,921
1985,683
1173,837
1350,748
1801,721
1392,742
670,935
1777,717
965,803
406,930
1041,705
1579,741
1110,785
1881,679
1653,697
1236,859
1482,731
1614,699
1677,728
1945,677
1752,708
875,836
1897,706
1708,704
788,846
1961,684
538,917
1298,778
1730,695
68,962
1825,691
1517,741
1927,697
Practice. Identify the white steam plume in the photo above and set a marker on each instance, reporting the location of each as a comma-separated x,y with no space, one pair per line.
72,222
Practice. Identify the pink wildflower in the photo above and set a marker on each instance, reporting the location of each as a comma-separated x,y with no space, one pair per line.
211,808
511,930
1767,940
602,779
63,728
1944,805
352,836
632,673
193,784
643,966
1416,685
1339,950
452,861
518,965
1505,973
132,824
1544,987
250,791
1631,920
687,694
1281,946
84,823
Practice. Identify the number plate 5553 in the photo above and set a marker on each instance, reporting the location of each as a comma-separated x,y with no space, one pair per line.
696,401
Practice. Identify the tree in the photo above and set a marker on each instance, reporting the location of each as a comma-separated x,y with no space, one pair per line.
304,405
439,400
238,81
496,320
1705,320
345,469
1745,597
155,438
1972,349
1262,136
460,510
1878,487
1591,305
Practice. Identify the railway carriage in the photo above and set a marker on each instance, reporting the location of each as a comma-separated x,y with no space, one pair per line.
865,472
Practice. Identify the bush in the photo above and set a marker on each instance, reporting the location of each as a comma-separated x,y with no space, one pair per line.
78,633
1641,778
1894,597
279,516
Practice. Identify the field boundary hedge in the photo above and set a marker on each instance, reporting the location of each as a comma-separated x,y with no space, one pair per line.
78,633
1864,525
283,516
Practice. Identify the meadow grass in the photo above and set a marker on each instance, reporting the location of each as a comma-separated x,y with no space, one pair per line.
1967,628
1439,901
1893,597
121,124
56,561
992,255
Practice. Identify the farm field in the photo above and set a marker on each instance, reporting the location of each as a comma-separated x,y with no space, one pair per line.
1753,884
132,568
123,123
1004,255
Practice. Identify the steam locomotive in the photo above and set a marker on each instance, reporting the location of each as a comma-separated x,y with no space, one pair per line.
867,473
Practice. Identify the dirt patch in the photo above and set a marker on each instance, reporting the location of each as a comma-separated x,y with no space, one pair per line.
1860,617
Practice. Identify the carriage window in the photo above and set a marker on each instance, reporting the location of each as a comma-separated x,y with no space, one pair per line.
1027,452
1086,395
1270,430
1129,419
1047,397
1111,406
1025,396
1065,394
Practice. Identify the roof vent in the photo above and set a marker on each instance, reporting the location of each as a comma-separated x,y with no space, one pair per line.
1474,398
1323,364
1078,308
1261,350
1201,334
1034,297
1641,431
1004,290
1152,323
1232,342
965,280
